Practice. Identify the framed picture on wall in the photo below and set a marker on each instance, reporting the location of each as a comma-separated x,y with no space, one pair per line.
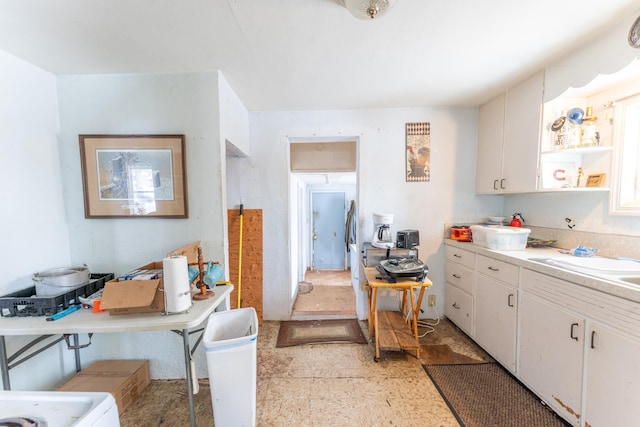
134,176
418,151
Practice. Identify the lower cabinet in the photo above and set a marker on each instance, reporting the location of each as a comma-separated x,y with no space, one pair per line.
613,380
577,348
584,369
459,308
495,319
551,355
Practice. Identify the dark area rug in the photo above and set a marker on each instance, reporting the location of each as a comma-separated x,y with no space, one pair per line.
320,331
442,354
486,395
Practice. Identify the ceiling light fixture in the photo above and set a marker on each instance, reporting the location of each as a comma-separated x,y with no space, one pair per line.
368,9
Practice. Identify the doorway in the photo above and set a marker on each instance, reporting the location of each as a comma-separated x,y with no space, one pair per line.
324,288
323,184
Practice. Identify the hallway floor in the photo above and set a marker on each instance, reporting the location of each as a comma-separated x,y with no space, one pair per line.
332,296
324,385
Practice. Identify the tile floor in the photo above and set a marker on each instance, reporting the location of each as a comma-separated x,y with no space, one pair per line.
341,385
326,385
332,296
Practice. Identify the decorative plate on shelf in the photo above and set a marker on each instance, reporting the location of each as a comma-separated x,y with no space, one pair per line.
634,34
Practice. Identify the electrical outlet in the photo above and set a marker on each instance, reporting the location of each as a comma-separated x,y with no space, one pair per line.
431,300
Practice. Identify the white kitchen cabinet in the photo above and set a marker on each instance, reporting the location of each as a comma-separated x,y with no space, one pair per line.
496,309
459,287
577,347
522,127
612,380
508,140
489,149
551,355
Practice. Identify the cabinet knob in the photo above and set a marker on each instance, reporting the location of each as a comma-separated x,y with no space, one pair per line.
493,269
457,276
455,305
509,301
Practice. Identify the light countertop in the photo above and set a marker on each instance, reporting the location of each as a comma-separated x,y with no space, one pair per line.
522,259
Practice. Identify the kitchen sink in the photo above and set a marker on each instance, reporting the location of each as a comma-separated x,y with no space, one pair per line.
635,280
594,265
622,271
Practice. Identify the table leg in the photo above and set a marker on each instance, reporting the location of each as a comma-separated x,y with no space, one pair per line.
414,318
76,352
374,310
187,367
4,365
370,316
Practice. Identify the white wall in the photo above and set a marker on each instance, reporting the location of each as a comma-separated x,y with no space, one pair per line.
145,104
589,212
32,221
449,197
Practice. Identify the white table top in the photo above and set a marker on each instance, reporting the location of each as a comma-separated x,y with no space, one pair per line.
85,321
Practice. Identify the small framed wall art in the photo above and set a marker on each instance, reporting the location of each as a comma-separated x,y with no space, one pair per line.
418,151
134,176
595,180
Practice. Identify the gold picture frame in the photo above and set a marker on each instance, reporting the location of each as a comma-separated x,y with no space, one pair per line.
134,176
595,180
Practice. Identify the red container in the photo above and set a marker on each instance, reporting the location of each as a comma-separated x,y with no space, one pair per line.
461,234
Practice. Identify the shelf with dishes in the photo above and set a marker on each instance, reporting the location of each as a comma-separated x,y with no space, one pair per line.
575,169
577,142
576,150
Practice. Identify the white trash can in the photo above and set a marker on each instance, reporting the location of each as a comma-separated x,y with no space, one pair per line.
230,344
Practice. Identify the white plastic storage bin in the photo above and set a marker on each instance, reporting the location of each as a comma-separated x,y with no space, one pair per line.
500,238
230,345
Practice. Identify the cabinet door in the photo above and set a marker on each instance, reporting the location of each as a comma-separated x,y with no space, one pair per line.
489,149
551,355
495,319
522,126
613,380
459,308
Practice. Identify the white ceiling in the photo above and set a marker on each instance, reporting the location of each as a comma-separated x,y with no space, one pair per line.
312,54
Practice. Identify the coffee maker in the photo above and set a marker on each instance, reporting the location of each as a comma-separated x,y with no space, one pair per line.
382,232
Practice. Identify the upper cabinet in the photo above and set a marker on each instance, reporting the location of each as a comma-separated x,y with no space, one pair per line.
508,140
489,154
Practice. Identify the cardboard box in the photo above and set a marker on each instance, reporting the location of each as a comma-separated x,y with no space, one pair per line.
133,296
124,379
141,296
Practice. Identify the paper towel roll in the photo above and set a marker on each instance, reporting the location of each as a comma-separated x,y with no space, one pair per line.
177,297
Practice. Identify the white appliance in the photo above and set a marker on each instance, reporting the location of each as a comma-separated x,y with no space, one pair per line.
382,231
58,409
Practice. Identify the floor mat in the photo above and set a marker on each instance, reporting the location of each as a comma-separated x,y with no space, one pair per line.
320,331
481,395
442,354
